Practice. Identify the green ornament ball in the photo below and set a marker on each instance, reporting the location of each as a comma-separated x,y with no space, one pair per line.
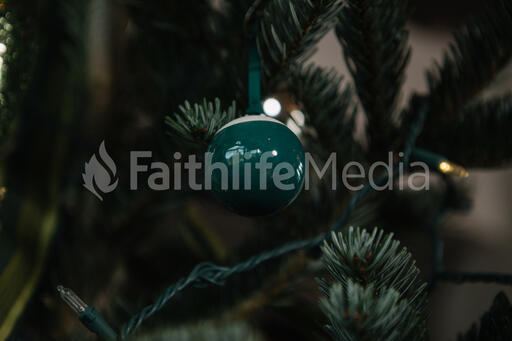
256,165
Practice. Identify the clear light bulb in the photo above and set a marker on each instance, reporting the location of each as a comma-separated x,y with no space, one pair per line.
72,300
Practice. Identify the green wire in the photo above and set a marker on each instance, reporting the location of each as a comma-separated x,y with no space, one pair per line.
254,85
93,320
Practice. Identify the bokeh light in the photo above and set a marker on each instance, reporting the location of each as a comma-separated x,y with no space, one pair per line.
272,107
298,117
290,123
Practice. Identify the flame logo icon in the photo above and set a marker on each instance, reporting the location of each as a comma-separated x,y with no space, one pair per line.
99,176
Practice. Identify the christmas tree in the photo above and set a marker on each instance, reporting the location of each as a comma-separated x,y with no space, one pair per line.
103,102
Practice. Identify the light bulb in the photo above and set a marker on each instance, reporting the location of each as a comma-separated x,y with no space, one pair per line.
293,127
272,107
298,117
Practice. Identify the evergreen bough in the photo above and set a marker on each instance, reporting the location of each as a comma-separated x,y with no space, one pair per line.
376,294
375,44
197,124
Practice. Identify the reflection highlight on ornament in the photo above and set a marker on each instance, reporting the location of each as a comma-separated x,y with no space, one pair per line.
236,150
300,170
272,107
250,154
241,153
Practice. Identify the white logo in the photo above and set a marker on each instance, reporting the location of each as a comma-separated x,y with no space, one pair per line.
100,175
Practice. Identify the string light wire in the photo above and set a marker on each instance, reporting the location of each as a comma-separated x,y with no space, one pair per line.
211,274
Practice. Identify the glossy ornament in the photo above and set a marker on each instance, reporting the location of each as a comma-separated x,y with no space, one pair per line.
256,165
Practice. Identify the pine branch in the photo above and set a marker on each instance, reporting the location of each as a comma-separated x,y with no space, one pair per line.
357,313
481,50
328,105
496,324
478,136
374,40
290,29
376,288
373,259
196,125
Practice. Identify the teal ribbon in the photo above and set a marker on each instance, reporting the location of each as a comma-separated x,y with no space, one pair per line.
255,107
